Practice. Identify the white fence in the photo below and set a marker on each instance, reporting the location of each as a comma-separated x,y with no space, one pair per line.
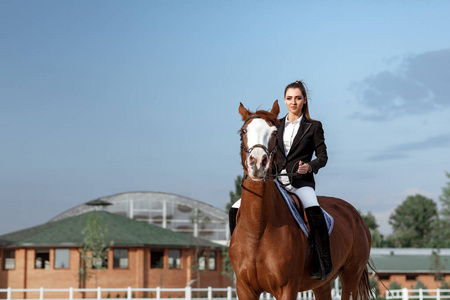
417,294
129,293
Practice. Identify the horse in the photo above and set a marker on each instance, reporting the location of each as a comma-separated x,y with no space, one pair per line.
267,250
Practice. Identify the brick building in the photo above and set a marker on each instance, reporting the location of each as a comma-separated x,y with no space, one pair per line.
140,255
407,266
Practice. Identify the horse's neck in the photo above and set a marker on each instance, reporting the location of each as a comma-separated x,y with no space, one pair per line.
257,206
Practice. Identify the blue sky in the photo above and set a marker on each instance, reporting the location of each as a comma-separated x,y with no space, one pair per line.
104,97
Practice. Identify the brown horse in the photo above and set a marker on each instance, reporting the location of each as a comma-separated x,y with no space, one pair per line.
268,250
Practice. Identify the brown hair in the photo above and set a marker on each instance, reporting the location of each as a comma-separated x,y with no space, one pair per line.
302,86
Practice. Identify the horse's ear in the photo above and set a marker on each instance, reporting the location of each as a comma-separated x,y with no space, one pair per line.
275,108
244,112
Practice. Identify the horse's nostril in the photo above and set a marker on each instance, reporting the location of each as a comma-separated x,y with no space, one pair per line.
265,160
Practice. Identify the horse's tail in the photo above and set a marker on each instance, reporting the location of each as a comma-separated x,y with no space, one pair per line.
364,290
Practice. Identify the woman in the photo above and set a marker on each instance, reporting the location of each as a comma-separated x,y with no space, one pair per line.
299,137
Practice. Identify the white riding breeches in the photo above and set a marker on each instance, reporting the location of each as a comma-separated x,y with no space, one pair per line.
237,204
306,194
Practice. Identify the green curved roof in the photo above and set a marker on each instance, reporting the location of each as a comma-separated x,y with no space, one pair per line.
121,231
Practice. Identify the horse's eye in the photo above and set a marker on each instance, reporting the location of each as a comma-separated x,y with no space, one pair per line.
275,133
244,131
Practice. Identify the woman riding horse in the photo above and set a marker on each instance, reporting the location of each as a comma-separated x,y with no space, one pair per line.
299,137
268,250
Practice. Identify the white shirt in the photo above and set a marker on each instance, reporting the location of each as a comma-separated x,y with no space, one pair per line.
290,131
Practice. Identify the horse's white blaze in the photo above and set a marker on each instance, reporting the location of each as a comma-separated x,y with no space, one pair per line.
258,133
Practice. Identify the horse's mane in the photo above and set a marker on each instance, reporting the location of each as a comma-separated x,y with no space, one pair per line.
267,116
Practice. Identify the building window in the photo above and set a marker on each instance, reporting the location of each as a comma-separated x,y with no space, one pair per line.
62,258
174,259
212,261
207,259
384,276
157,259
42,259
411,277
9,259
202,263
120,258
100,262
439,277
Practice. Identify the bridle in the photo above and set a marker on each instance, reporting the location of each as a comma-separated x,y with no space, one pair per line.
269,152
248,151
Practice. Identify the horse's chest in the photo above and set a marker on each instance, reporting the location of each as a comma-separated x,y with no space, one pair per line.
264,258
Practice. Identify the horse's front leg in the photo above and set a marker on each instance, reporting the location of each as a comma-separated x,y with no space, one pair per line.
287,295
246,292
323,292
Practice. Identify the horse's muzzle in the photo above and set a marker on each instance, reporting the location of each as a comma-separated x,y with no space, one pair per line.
257,164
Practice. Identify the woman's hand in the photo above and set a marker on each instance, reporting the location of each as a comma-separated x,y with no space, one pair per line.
303,168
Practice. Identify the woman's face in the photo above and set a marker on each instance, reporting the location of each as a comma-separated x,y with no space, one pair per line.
294,101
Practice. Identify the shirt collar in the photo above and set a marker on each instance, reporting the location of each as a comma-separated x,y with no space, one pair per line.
295,122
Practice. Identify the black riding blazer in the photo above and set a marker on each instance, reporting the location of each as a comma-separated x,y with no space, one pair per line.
309,139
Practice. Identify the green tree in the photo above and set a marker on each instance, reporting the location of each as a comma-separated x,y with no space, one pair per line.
227,269
94,253
437,266
370,220
412,222
444,221
374,285
200,222
236,195
395,285
420,285
377,237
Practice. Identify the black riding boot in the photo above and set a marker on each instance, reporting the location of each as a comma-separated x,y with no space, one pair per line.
232,213
320,243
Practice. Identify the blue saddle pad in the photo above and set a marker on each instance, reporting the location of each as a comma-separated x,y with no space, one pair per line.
298,219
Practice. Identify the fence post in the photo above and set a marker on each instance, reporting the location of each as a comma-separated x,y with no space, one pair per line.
71,293
438,294
405,294
8,294
420,294
188,293
99,293
158,293
41,293
210,293
229,293
129,293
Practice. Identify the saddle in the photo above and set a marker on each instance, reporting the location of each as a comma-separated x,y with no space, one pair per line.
299,215
299,206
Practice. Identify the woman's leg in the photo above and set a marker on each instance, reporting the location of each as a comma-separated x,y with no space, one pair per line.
318,232
307,195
